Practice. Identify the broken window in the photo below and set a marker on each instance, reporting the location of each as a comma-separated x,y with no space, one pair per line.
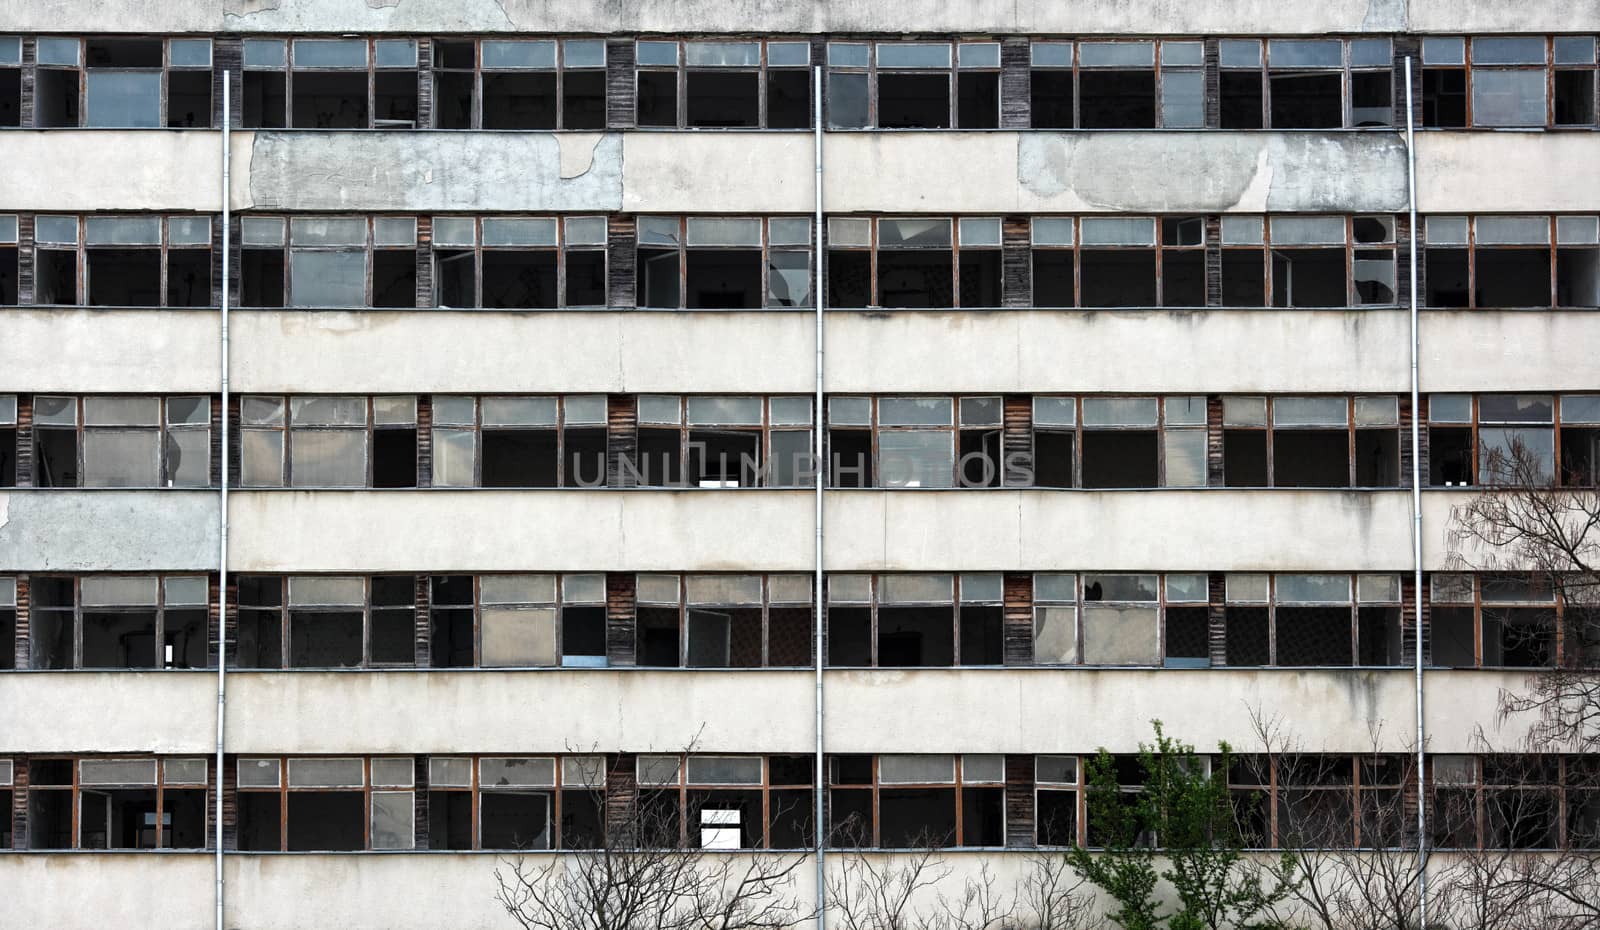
1444,82
1117,264
720,441
1126,442
112,82
10,259
1579,449
516,800
726,621
1511,82
1055,421
1119,620
331,83
1055,265
917,801
1301,84
519,84
57,82
1056,788
1050,85
119,622
1521,802
1309,264
919,444
1573,87
915,620
326,621
326,804
1316,802
8,625
127,261
123,441
1119,443
1116,85
519,441
1310,442
326,442
1312,620
723,800
915,262
120,803
1453,626
519,262
518,621
913,85
707,263
55,260
915,445
1379,634
1450,456
1520,617
1120,263
724,84
1508,262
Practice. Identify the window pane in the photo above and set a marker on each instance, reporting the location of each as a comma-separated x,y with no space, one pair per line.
1119,636
330,53
913,233
392,817
731,411
396,53
121,458
518,771
522,637
329,458
1314,589
449,772
130,99
1119,411
1304,53
913,54
723,770
1513,230
519,411
1508,98
115,591
1055,632
261,454
722,54
1109,230
1309,411
189,458
1307,230
723,589
1183,99
57,51
517,589
1119,587
916,459
326,773
915,411
1185,458
1508,50
117,772
121,411
915,588
1116,54
329,411
327,279
897,769
519,231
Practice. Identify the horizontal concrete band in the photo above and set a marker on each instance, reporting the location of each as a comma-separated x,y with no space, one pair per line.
1031,710
772,172
773,351
1254,17
720,530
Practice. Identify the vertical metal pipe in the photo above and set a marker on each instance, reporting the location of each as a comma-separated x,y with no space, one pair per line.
222,511
1416,509
819,786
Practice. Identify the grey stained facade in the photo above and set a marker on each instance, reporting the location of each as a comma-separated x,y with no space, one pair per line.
462,391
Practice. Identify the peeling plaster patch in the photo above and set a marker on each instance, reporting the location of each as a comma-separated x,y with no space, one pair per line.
382,4
5,510
429,171
1385,16
250,7
1332,172
577,153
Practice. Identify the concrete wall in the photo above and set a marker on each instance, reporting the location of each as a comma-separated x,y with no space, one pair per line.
1509,350
107,531
1494,172
142,712
88,351
63,891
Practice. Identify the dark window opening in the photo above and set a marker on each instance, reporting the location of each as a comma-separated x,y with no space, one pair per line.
1449,456
124,277
514,820
519,458
1380,635
1241,99
915,637
8,652
117,818
260,642
55,458
8,276
849,819
913,101
916,818
983,635
788,100
449,820
849,278
983,816
519,100
452,627
1451,630
1580,456
724,638
392,625
981,458
1120,459
55,277
658,98
586,278
1248,641
456,277
1513,277
1315,458
1444,98
260,827
1188,637
188,99
789,636
1520,819
660,458
585,457
1117,100
1119,278
1183,279
264,100
658,277
1371,99
189,278
1307,100
915,278
1309,278
50,630
722,99
583,100
325,639
394,278
980,278
519,280
583,632
1050,99
1313,635
1244,458
49,819
1519,637
657,645
725,458
723,279
1577,278
329,100
55,98
978,100
850,458
582,819
394,95
326,821
1574,98
712,811
185,814
1054,274
119,639
847,100
10,97
849,635
1056,820
1377,458
1052,459
262,278
789,818
452,97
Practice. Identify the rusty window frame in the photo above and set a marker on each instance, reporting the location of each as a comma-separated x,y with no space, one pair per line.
75,789
164,428
563,597
771,421
770,599
560,69
566,240
286,610
1566,233
285,789
1564,62
370,69
72,615
872,68
164,71
1477,67
957,784
765,245
563,421
283,423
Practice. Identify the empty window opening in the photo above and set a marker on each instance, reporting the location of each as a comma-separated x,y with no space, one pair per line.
1117,265
1050,89
1116,85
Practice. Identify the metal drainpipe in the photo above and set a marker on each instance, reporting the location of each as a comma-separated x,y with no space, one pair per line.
818,467
222,518
1416,510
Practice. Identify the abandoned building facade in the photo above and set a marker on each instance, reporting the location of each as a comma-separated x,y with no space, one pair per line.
540,411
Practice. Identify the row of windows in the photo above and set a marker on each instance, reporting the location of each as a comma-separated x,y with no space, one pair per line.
465,802
746,263
354,83
594,620
734,441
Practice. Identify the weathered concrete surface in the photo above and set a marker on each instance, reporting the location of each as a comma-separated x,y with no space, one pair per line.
1492,16
170,712
56,530
109,351
1507,171
1509,350
85,170
65,890
500,171
371,351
